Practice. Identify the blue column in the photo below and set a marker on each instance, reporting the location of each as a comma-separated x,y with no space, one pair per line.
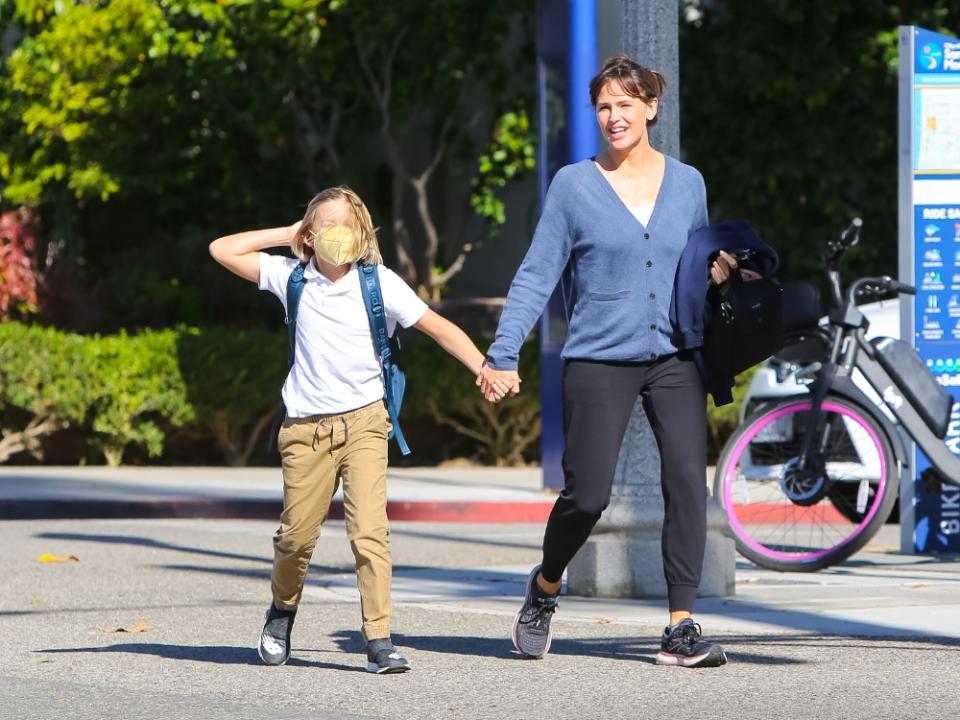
567,41
582,66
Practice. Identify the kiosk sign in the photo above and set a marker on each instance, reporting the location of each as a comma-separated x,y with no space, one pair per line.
930,258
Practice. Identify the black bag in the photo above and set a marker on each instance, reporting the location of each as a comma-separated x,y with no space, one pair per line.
746,322
802,308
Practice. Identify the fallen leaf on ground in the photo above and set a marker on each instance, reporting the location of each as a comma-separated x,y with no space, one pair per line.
604,621
138,628
48,558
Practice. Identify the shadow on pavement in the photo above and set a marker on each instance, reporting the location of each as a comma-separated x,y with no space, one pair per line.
407,531
459,582
217,654
624,648
149,543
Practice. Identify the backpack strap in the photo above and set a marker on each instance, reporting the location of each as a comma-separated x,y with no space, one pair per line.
392,375
295,285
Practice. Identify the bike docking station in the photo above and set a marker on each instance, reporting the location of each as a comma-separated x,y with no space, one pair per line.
929,258
809,477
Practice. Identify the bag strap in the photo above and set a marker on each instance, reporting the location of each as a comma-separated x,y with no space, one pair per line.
295,285
373,300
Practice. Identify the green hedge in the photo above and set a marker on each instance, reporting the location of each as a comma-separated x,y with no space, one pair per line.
45,386
126,393
133,396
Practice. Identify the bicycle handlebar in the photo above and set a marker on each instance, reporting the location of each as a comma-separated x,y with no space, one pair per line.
876,286
902,288
834,249
851,236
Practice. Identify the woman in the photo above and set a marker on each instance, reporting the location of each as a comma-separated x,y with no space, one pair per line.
614,227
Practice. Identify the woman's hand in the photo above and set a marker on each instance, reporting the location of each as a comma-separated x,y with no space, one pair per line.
497,384
721,268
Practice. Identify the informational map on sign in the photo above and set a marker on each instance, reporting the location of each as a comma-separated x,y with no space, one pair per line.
938,114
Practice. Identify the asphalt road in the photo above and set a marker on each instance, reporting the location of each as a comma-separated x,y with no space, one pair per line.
200,587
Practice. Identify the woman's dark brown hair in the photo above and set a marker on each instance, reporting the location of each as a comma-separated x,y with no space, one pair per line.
636,80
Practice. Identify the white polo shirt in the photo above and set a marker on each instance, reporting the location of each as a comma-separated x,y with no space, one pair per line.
336,368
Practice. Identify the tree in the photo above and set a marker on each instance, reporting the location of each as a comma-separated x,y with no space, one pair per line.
789,110
140,129
442,51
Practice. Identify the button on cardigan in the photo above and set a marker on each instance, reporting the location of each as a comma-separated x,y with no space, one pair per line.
618,274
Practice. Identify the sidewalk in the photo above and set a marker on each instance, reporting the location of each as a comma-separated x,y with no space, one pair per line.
477,495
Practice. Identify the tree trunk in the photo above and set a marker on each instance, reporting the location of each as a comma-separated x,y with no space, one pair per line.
28,439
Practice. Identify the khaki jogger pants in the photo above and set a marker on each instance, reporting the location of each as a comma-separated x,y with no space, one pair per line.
319,452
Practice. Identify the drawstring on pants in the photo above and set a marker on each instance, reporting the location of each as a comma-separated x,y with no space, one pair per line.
321,423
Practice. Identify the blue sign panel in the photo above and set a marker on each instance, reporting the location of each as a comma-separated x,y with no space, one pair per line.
937,323
935,195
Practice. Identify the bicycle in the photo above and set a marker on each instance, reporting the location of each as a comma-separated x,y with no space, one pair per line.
807,481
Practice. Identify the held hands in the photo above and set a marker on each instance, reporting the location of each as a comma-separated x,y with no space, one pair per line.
497,384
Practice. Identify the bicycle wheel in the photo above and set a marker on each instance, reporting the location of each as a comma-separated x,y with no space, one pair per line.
784,518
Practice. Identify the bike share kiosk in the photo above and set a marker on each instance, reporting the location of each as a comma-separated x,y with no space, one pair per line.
929,256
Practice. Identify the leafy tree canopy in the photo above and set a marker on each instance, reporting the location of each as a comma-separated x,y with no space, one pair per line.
140,129
790,111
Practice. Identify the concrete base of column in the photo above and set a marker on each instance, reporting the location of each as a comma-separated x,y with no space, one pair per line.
627,563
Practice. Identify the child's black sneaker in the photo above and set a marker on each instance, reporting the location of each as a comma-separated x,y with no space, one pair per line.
531,628
682,644
383,658
274,645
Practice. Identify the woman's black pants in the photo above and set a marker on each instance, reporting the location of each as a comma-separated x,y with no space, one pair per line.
598,398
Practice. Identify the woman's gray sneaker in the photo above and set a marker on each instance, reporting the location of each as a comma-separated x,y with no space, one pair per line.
683,644
274,645
531,628
383,658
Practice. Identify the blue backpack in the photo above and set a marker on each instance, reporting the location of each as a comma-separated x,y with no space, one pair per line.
388,348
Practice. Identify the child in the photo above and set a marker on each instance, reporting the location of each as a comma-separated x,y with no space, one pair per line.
337,423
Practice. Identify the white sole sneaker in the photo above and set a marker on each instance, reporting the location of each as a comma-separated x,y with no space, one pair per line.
514,632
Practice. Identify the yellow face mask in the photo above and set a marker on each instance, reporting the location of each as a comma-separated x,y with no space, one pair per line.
338,245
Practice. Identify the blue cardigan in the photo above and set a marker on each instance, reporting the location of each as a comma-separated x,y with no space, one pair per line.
618,274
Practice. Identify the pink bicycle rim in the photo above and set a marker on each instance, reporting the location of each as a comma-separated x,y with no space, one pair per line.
738,452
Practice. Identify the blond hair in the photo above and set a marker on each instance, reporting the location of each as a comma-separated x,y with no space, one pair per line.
358,220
